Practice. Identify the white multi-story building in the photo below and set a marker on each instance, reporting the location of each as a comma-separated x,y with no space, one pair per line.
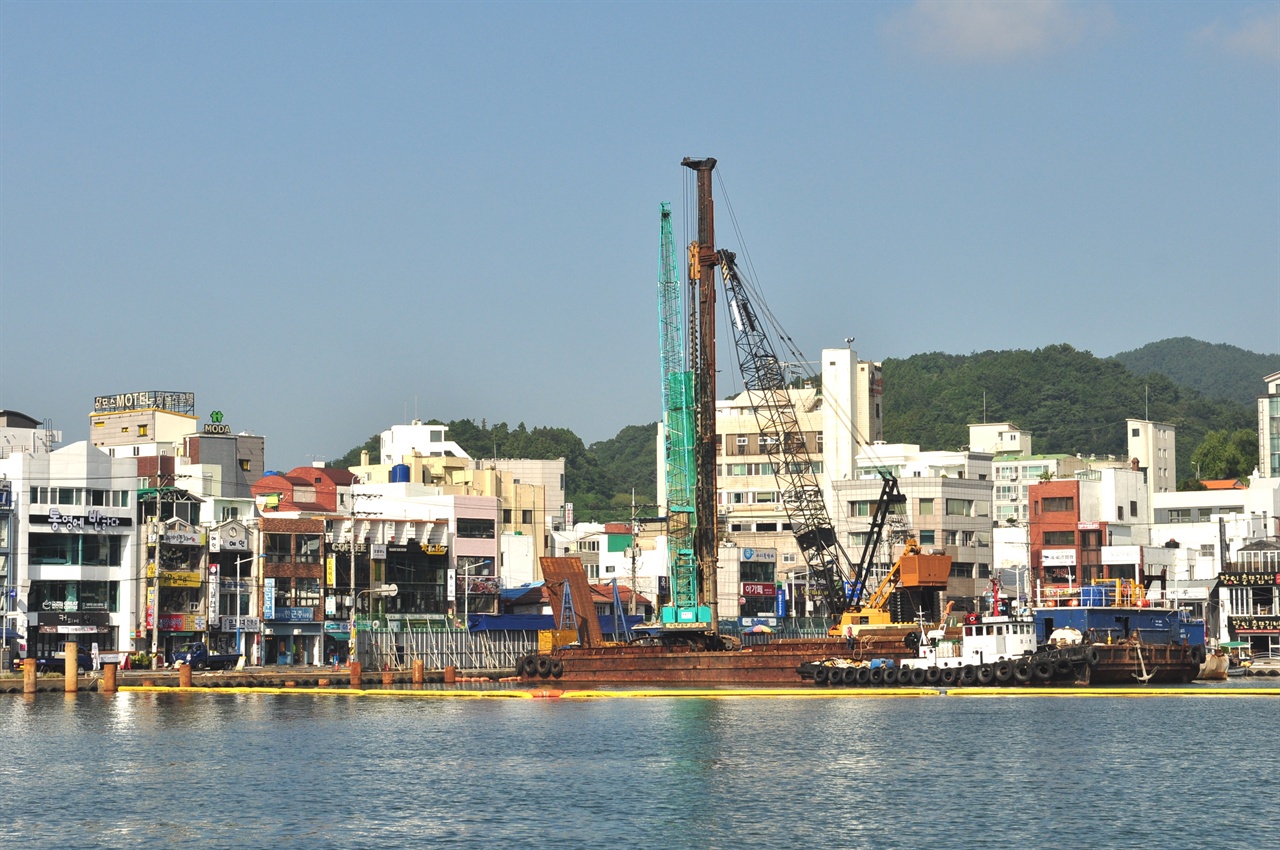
948,509
1269,428
1154,445
1195,523
71,542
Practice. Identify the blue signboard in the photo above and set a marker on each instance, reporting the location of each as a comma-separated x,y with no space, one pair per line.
781,607
294,615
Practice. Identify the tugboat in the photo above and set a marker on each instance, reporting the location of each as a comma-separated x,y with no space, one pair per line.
999,648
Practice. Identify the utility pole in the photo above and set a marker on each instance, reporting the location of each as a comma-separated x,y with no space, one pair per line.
635,544
158,526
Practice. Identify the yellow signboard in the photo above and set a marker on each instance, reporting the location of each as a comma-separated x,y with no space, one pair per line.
179,578
330,572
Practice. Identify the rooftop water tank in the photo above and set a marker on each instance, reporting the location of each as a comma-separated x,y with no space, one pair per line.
400,473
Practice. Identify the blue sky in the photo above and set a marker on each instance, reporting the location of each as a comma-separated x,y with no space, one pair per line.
324,219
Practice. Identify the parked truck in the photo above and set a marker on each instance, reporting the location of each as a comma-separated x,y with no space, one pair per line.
197,655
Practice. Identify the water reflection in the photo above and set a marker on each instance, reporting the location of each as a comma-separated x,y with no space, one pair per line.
231,770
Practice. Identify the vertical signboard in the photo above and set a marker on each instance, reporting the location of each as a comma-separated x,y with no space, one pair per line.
214,587
268,599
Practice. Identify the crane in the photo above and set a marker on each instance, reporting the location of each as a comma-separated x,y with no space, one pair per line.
765,382
680,438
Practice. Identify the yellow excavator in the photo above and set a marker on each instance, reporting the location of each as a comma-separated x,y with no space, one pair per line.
913,570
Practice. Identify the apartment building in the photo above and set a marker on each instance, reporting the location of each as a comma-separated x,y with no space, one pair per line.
1269,428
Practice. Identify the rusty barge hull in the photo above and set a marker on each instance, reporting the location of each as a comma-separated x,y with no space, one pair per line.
1128,664
773,664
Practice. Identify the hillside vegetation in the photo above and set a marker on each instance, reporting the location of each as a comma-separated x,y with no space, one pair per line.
1215,370
1071,401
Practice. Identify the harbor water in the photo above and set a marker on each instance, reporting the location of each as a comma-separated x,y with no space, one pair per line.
219,770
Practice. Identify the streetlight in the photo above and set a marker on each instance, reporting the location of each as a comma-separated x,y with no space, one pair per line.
385,590
791,589
239,599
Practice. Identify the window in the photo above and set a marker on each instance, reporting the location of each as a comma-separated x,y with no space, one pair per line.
1133,508
506,516
308,546
475,528
244,464
52,549
276,548
959,507
953,538
1119,513
142,430
766,526
230,513
1059,503
926,507
526,517
1059,538
926,537
959,570
1137,432
860,508
756,571
984,571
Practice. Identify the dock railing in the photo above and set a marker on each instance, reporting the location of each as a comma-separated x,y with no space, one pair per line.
487,650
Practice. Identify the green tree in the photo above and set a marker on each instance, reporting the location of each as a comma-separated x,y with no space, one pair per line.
1224,454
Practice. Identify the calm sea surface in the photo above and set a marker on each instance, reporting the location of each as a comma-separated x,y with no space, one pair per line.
230,770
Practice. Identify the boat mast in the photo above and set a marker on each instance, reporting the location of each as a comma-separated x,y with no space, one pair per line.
702,350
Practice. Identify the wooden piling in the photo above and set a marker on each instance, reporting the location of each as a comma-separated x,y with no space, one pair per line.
184,675
450,675
419,672
109,678
70,666
355,674
28,675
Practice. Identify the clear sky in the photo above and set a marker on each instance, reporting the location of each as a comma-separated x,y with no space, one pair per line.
325,218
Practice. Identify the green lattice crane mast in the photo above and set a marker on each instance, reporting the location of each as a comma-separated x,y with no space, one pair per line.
679,440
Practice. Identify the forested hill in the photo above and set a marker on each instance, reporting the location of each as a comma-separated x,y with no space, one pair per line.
1216,370
1069,400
